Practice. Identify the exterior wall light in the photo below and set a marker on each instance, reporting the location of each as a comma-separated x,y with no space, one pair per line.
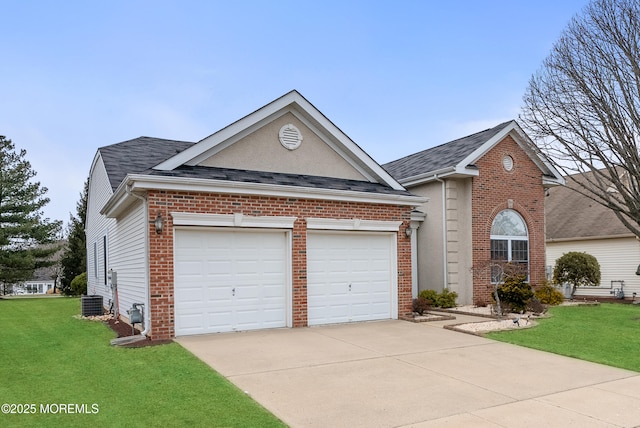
159,223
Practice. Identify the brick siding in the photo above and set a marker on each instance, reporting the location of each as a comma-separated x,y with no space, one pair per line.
161,256
496,189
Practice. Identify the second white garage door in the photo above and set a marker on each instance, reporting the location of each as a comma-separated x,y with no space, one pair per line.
229,280
350,276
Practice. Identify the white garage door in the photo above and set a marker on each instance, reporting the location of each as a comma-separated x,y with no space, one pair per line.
229,280
350,276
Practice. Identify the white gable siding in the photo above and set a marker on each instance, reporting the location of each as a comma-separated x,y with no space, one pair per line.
128,256
97,229
618,258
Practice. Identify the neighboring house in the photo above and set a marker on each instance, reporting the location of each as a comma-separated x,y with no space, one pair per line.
277,220
577,223
44,279
486,197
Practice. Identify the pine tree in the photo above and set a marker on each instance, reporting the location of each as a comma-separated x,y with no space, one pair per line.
74,258
25,236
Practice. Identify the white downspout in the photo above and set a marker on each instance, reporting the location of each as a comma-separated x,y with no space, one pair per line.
444,231
147,301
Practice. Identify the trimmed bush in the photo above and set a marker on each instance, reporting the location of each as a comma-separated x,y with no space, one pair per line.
577,269
447,299
429,295
548,294
515,293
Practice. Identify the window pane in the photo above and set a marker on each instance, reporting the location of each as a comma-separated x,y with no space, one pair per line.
508,223
519,251
499,249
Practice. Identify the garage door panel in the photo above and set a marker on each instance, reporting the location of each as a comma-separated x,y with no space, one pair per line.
244,280
350,276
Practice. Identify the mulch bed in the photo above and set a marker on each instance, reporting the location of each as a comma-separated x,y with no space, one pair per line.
123,329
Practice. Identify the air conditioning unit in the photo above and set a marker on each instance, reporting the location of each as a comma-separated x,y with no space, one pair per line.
91,305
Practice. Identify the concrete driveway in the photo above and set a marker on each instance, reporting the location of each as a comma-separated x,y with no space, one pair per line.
397,374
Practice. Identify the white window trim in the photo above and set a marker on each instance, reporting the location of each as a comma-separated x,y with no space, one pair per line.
232,220
510,239
353,224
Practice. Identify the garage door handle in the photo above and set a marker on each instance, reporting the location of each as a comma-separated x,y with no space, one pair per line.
233,291
349,287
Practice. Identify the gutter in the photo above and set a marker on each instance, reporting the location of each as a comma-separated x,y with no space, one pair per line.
133,183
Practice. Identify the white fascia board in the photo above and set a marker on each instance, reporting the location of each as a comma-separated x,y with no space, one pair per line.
143,183
119,201
538,157
488,145
352,224
324,123
186,156
552,182
523,140
438,174
232,220
225,138
288,103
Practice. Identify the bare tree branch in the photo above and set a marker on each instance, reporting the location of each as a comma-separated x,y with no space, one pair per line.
583,106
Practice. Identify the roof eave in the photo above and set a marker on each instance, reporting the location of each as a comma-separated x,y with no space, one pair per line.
140,184
449,172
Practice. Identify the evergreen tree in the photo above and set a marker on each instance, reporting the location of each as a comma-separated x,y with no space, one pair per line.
74,258
24,233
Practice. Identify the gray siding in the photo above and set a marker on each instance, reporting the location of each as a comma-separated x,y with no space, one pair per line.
128,256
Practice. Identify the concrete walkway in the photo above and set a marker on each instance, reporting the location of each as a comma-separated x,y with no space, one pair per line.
401,374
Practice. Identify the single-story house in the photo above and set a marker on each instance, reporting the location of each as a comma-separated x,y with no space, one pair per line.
281,220
486,194
577,223
277,220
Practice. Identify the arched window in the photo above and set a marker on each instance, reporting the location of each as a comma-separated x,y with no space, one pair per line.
509,243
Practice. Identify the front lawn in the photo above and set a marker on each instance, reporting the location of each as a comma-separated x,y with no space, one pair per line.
63,372
607,334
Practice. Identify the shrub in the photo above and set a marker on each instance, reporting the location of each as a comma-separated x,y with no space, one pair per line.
515,293
577,269
536,306
421,305
431,295
447,299
548,294
79,284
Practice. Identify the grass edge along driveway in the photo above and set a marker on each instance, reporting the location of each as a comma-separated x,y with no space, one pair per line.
58,370
607,334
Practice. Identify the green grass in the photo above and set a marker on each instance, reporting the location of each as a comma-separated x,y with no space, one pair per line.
50,357
607,334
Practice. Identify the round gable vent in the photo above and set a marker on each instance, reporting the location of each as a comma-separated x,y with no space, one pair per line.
290,137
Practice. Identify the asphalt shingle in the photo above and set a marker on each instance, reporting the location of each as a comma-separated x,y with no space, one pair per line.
440,157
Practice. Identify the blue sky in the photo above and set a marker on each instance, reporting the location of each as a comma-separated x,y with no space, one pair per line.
396,76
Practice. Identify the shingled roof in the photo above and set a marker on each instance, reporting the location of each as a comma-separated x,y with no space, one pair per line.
571,215
140,155
440,157
137,156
